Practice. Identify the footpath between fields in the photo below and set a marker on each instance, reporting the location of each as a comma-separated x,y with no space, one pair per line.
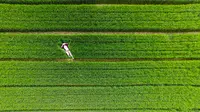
64,32
98,60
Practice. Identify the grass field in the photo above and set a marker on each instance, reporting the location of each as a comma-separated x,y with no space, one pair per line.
99,98
130,55
100,1
99,18
100,46
100,73
99,86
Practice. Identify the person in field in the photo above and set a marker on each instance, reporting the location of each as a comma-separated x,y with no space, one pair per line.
66,48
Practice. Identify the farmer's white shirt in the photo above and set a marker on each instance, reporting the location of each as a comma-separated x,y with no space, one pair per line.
66,48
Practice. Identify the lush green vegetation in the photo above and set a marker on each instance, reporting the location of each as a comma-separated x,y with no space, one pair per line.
101,46
52,83
100,98
49,1
30,46
100,1
99,17
99,73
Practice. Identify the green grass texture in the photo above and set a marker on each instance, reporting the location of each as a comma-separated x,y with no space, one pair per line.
100,73
100,46
100,18
100,1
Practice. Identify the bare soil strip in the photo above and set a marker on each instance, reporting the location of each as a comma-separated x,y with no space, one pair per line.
35,59
66,32
98,60
136,59
102,109
131,85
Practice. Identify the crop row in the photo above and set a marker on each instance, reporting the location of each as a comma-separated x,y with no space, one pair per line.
100,1
99,98
99,18
102,46
100,73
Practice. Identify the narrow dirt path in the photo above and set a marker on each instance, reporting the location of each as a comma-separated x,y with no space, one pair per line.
104,85
65,32
98,60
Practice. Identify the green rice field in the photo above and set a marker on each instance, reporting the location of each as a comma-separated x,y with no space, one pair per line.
100,73
100,18
101,46
100,1
129,56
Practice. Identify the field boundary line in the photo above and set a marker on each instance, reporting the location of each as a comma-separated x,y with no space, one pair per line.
130,85
97,59
100,4
100,109
136,59
101,32
37,59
